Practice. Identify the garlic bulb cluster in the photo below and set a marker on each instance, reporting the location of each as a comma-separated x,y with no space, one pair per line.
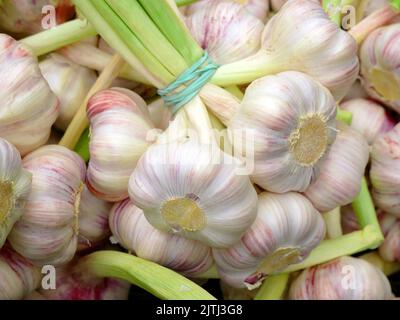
342,172
285,231
345,278
380,65
390,249
119,123
226,30
369,118
289,120
385,171
70,82
15,185
48,231
194,190
131,230
29,107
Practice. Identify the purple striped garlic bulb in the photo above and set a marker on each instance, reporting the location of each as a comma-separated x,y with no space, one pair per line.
70,82
132,231
28,106
15,184
385,171
119,123
369,118
285,231
194,190
345,278
342,172
380,65
290,120
48,231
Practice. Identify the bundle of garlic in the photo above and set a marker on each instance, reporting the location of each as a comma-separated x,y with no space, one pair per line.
344,278
48,231
15,185
29,107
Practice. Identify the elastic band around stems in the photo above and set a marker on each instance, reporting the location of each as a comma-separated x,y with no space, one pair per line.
193,80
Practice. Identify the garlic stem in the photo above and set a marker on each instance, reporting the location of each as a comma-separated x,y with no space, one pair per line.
180,3
332,7
234,90
273,288
82,147
388,268
333,223
344,116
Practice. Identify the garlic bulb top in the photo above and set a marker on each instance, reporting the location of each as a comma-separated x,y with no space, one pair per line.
290,120
119,123
194,190
48,231
380,65
345,278
15,184
287,228
226,30
29,108
385,171
70,82
132,230
342,172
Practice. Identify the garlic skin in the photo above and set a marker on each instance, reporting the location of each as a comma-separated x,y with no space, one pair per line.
119,124
285,231
356,91
341,174
194,190
385,171
369,118
345,278
159,114
29,106
132,231
380,65
348,220
231,293
15,184
276,5
47,233
390,249
291,120
70,82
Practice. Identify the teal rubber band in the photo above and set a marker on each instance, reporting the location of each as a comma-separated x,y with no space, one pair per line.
191,82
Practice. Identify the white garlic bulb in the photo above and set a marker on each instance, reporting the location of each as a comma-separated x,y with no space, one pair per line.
29,107
345,278
194,190
48,231
15,184
380,65
287,228
226,30
390,249
341,174
132,231
369,118
119,123
291,120
70,82
385,171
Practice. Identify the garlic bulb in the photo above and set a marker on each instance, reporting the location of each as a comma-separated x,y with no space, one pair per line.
291,120
348,220
19,277
194,190
48,231
390,249
119,123
345,278
369,118
70,82
342,172
226,30
29,107
131,229
385,171
380,65
276,5
15,184
287,228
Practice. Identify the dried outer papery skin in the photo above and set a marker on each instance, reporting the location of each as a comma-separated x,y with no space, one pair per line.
48,231
286,229
28,107
120,124
132,231
345,278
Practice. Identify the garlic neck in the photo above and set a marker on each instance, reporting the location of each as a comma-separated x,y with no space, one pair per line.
78,197
6,199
